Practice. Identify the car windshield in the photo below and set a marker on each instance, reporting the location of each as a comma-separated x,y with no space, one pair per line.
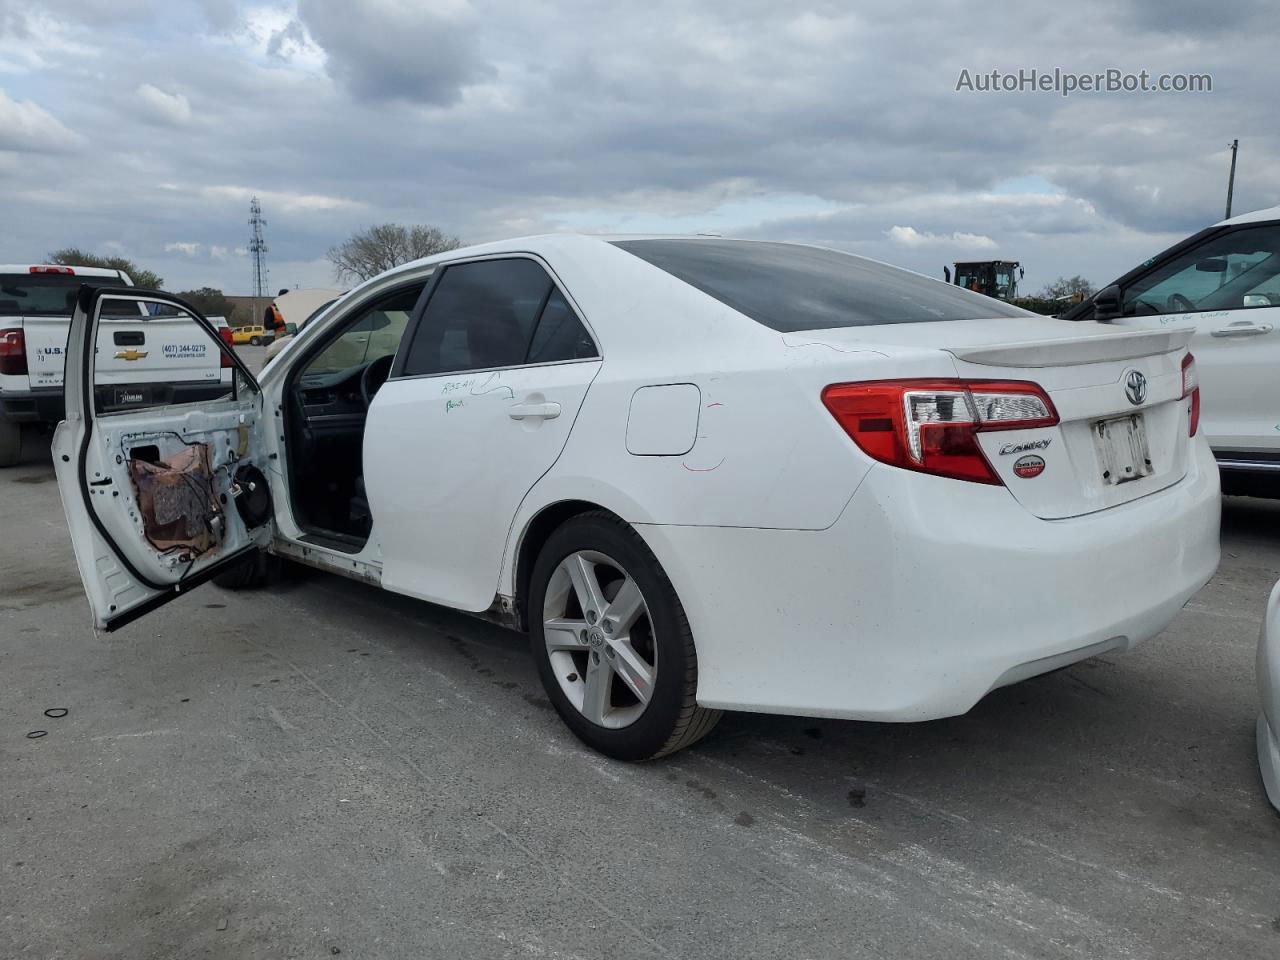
788,287
43,294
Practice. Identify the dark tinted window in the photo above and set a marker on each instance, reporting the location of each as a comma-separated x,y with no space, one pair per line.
480,315
560,334
789,287
52,294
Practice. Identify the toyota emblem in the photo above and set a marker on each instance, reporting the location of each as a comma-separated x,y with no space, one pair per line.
1135,387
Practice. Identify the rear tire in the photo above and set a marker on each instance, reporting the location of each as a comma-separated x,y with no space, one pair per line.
259,569
652,649
10,443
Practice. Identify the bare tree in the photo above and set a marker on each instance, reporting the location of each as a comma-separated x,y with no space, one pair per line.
1075,288
371,251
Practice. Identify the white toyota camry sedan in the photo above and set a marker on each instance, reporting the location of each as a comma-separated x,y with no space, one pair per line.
702,474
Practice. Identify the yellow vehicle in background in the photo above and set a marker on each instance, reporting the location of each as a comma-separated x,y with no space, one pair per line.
254,334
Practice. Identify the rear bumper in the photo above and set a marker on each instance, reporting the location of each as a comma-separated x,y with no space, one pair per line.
41,406
928,593
1269,697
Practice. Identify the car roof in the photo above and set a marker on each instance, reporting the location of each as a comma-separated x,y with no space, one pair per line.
1256,216
552,243
79,271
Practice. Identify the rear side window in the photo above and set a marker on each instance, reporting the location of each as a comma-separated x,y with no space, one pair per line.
560,334
494,313
789,288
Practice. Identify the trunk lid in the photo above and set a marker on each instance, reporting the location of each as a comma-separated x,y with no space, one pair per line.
1108,448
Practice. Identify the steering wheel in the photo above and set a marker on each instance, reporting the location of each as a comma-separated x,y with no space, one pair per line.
373,377
1180,304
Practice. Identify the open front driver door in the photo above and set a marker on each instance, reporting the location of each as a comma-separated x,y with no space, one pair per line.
160,460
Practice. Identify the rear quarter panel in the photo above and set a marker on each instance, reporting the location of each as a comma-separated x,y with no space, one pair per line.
767,453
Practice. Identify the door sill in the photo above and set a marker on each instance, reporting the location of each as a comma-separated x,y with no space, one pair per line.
331,540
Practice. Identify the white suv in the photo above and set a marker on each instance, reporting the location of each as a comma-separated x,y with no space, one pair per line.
1225,282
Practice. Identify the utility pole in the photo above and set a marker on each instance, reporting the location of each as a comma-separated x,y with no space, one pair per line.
1231,180
258,251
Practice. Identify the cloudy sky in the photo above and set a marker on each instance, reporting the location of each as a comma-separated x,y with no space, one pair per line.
143,127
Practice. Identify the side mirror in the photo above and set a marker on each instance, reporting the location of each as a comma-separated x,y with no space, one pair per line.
1214,265
1107,303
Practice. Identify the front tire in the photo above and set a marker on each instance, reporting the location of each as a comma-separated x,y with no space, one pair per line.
10,443
612,642
255,341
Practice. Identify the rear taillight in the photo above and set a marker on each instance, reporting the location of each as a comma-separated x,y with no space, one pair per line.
229,340
932,425
1191,388
13,353
63,270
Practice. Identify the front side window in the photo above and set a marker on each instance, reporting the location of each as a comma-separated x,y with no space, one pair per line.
789,288
374,332
155,356
1233,271
495,313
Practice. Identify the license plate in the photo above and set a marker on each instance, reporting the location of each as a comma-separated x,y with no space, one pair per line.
129,395
1122,449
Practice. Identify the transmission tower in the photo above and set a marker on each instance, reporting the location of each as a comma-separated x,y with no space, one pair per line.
258,248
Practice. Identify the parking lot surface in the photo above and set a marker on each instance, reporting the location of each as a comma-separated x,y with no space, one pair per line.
323,769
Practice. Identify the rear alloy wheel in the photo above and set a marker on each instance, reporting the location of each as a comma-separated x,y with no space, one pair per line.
612,642
10,443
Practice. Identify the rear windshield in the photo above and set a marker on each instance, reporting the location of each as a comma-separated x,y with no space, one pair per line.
789,287
46,294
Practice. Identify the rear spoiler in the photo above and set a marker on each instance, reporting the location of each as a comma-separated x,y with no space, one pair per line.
1097,348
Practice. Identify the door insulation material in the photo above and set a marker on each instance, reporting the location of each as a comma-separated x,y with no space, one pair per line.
176,498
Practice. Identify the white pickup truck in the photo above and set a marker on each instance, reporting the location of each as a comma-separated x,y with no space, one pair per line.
145,359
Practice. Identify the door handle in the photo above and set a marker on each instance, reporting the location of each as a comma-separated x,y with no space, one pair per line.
1243,328
534,411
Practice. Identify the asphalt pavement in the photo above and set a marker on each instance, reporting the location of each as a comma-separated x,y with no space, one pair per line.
322,769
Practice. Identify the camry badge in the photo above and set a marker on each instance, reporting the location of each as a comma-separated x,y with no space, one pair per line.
1026,445
1135,387
130,354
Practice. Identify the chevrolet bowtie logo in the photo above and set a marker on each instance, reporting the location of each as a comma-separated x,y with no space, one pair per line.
130,354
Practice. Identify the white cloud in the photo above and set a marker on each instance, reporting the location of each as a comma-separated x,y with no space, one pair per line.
167,108
25,127
184,248
284,200
911,237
